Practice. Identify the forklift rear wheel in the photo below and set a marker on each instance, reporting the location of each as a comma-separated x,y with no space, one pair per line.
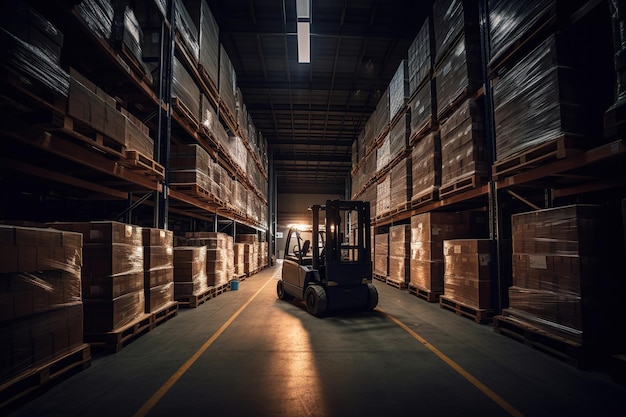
282,294
316,301
373,297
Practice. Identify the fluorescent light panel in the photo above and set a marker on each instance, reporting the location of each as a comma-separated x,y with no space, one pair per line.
303,9
304,42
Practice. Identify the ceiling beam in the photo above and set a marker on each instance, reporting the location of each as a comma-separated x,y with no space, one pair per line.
311,157
312,142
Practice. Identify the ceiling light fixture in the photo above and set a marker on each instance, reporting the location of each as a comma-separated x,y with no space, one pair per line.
303,11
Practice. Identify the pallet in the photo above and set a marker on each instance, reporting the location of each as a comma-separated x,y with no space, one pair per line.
132,63
471,92
139,162
571,352
196,191
195,300
426,197
401,285
559,148
379,277
431,297
183,50
163,314
467,183
227,115
392,212
479,315
115,340
81,131
217,290
21,387
187,115
420,132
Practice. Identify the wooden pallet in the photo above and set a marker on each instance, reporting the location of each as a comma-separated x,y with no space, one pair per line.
130,61
426,197
571,352
79,130
472,92
479,315
228,116
431,297
163,314
18,389
196,191
427,127
183,50
195,300
541,154
401,285
467,183
137,161
379,277
115,340
217,290
187,115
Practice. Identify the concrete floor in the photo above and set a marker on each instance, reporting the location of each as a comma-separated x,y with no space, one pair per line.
274,359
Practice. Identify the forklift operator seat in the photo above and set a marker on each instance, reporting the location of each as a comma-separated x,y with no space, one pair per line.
305,247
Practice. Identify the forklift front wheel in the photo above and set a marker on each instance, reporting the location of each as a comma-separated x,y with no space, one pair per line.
316,301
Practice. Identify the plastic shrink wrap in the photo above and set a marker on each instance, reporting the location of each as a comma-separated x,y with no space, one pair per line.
41,309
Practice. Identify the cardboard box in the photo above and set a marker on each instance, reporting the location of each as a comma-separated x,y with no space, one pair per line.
467,272
159,296
109,315
156,237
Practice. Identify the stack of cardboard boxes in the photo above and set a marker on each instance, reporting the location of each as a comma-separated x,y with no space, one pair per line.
41,309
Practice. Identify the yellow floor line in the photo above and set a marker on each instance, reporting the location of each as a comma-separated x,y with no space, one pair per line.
152,401
482,387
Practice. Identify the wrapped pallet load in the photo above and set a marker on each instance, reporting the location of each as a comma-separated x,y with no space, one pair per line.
32,53
189,272
251,252
112,274
421,56
468,281
158,268
563,276
381,256
219,266
41,308
426,168
399,255
428,233
457,49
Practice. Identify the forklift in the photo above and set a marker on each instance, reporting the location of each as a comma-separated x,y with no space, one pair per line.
323,268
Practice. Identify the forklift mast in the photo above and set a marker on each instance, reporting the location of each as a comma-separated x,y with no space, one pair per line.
345,262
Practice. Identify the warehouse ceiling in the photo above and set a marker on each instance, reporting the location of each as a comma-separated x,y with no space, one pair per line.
310,114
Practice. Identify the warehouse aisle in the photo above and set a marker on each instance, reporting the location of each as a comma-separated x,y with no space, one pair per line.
246,353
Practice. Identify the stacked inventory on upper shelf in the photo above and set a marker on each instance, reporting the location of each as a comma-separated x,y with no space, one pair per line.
549,82
435,125
89,69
